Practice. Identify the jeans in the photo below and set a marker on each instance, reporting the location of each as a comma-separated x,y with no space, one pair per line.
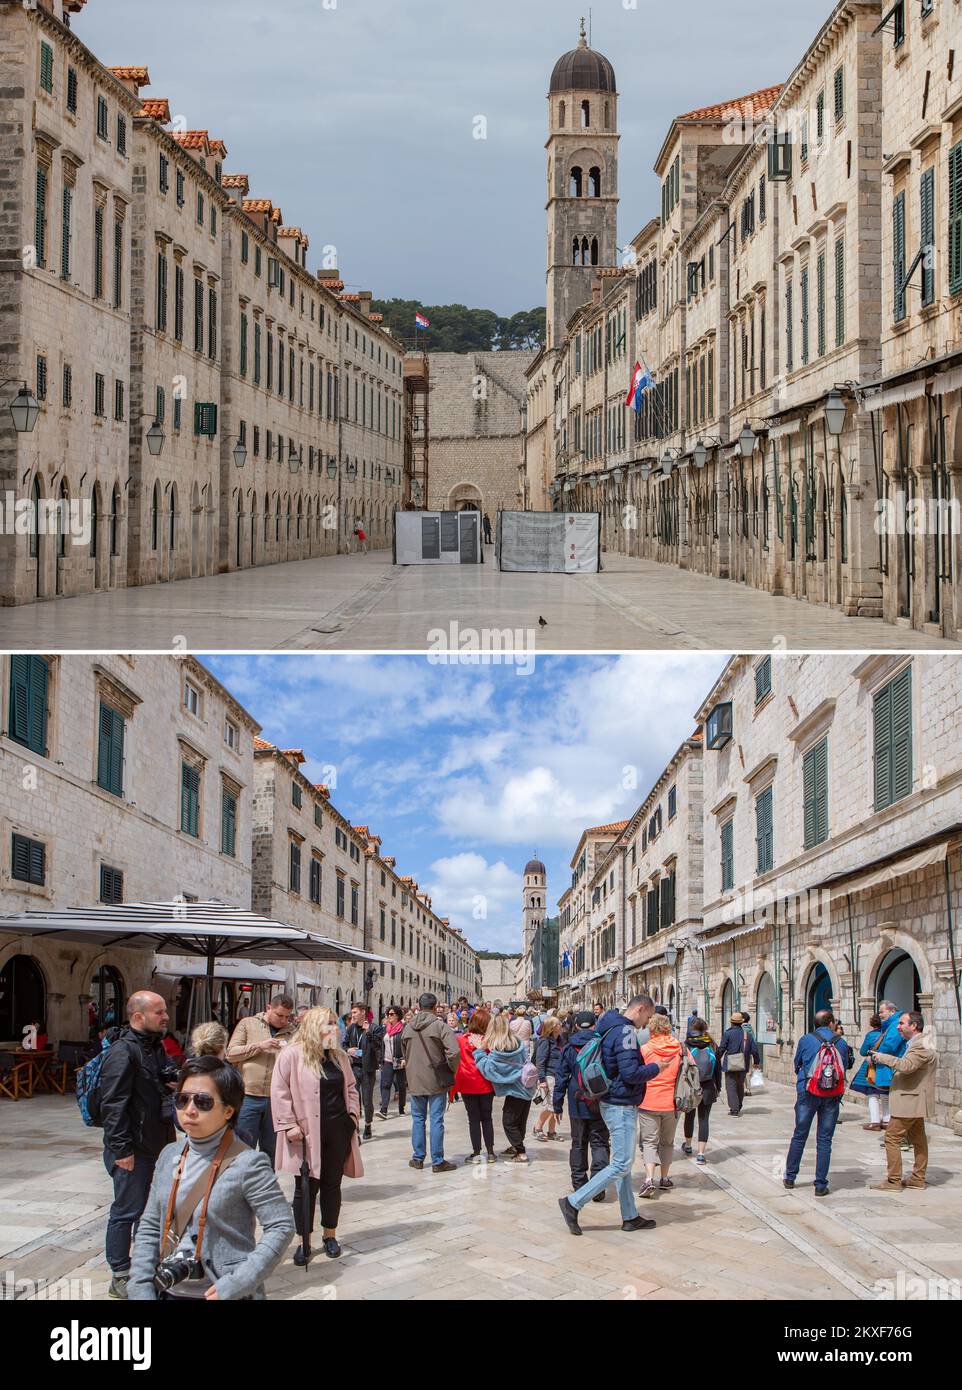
365,1089
421,1108
622,1123
807,1107
593,1132
514,1119
256,1124
130,1197
393,1076
480,1123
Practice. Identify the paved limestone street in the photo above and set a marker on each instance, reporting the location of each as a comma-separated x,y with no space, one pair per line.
489,1233
366,602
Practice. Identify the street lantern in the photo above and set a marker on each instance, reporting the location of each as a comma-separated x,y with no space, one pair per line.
671,956
645,472
155,440
351,469
24,410
835,412
666,462
616,477
746,441
239,453
332,467
700,454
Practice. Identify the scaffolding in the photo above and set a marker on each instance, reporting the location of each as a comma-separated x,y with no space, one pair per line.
416,429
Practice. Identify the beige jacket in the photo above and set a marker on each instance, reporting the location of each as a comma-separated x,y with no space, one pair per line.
912,1093
244,1052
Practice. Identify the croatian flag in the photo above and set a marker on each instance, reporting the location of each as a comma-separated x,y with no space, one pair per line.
641,379
421,322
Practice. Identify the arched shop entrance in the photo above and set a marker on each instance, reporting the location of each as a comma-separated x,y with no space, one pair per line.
728,1005
108,999
898,980
818,995
766,1020
23,997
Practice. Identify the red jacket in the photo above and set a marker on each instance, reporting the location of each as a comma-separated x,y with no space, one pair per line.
468,1081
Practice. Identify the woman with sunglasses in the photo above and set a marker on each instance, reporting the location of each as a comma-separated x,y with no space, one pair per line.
317,1113
392,1067
197,1236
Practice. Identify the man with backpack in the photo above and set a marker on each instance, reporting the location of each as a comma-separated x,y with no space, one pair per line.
136,1110
584,1116
821,1060
612,1072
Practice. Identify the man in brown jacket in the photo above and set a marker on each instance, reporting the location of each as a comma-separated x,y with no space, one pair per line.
912,1101
431,1057
253,1049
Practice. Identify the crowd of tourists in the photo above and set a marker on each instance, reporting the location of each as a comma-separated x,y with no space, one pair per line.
200,1214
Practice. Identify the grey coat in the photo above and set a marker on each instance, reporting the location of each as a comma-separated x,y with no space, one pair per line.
238,1264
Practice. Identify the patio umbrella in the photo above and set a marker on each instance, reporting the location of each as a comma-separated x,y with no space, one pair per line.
212,930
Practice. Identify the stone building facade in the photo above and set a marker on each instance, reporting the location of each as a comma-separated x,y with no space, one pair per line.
124,779
576,987
475,406
500,978
192,373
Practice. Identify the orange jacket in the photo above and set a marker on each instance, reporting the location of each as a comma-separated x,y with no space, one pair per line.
660,1093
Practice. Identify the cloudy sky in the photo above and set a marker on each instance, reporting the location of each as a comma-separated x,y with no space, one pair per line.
465,771
357,116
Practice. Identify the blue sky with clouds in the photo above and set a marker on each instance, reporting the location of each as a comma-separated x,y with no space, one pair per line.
357,116
464,771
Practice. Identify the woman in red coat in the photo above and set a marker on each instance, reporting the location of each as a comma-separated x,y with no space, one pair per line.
475,1091
314,1100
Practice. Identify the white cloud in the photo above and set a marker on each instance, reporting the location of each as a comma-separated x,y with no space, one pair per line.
482,898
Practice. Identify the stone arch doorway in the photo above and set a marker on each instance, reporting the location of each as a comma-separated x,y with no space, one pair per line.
465,498
23,996
898,980
727,1004
818,993
108,999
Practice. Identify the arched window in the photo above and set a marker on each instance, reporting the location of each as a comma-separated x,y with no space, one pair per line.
574,182
108,997
562,113
253,527
594,250
94,521
23,996
63,520
155,517
277,519
818,995
115,521
240,525
585,115
172,528
300,512
898,981
575,252
607,115
594,182
34,549
288,519
585,252
728,1003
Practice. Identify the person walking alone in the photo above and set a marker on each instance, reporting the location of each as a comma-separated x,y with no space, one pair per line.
819,1090
629,1076
705,1053
502,1058
318,1112
431,1058
736,1052
253,1049
475,1090
588,1129
392,1067
912,1102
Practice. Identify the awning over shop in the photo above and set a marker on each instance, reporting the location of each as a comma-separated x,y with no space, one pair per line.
888,873
893,395
733,934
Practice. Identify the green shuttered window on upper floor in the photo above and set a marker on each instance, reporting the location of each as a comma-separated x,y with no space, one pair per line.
815,794
892,738
955,218
764,832
110,751
728,855
29,696
28,860
927,227
228,823
190,799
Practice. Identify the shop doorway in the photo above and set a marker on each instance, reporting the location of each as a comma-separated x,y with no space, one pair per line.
23,997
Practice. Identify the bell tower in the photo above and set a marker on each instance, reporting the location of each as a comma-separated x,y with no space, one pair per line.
534,911
582,202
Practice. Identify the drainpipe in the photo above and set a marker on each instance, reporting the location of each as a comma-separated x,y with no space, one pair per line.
952,955
856,1022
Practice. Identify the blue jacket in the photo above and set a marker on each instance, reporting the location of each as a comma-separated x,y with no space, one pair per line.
736,1039
566,1079
622,1060
503,1070
893,1043
860,1083
807,1051
547,1057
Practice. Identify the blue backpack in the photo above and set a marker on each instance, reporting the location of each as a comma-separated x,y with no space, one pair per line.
591,1080
88,1088
705,1057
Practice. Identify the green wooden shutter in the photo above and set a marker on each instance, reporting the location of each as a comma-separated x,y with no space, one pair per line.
763,831
40,229
902,734
728,854
839,292
804,291
243,345
815,791
189,799
839,94
898,256
882,743
29,681
46,67
955,218
110,752
927,219
228,838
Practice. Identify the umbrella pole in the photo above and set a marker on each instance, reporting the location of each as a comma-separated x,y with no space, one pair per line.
211,957
306,1206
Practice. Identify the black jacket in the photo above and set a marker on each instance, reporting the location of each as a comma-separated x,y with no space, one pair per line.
136,1106
566,1079
371,1043
736,1039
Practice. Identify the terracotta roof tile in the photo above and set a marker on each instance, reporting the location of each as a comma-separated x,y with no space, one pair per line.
376,318
235,181
132,74
257,204
331,284
614,828
323,788
218,147
157,108
295,754
192,139
752,104
261,745
351,298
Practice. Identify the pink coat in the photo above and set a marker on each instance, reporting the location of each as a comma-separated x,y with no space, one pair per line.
296,1100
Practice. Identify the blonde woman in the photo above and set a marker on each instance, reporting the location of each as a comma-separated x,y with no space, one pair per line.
317,1110
547,1058
209,1040
501,1057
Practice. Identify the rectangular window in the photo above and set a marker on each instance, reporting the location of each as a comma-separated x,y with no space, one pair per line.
839,292
110,751
212,324
190,799
67,385
40,226
27,717
72,91
164,174
820,117
339,907
179,303
198,315
41,378
927,227
28,860
815,794
121,134
46,67
243,344
119,401
100,395
315,886
764,832
820,302
892,733
228,823
294,882
728,855
118,263
111,884
296,798
354,904
65,233
839,90
804,294
181,188
955,218
200,208
898,15
898,257
789,326
102,117
161,316
672,802
763,679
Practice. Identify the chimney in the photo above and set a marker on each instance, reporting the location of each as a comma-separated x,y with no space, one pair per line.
595,292
238,186
364,303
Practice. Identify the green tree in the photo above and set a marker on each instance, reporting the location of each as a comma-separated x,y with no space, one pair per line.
457,328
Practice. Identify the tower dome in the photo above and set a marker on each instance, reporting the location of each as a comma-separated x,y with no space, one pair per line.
535,866
583,70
